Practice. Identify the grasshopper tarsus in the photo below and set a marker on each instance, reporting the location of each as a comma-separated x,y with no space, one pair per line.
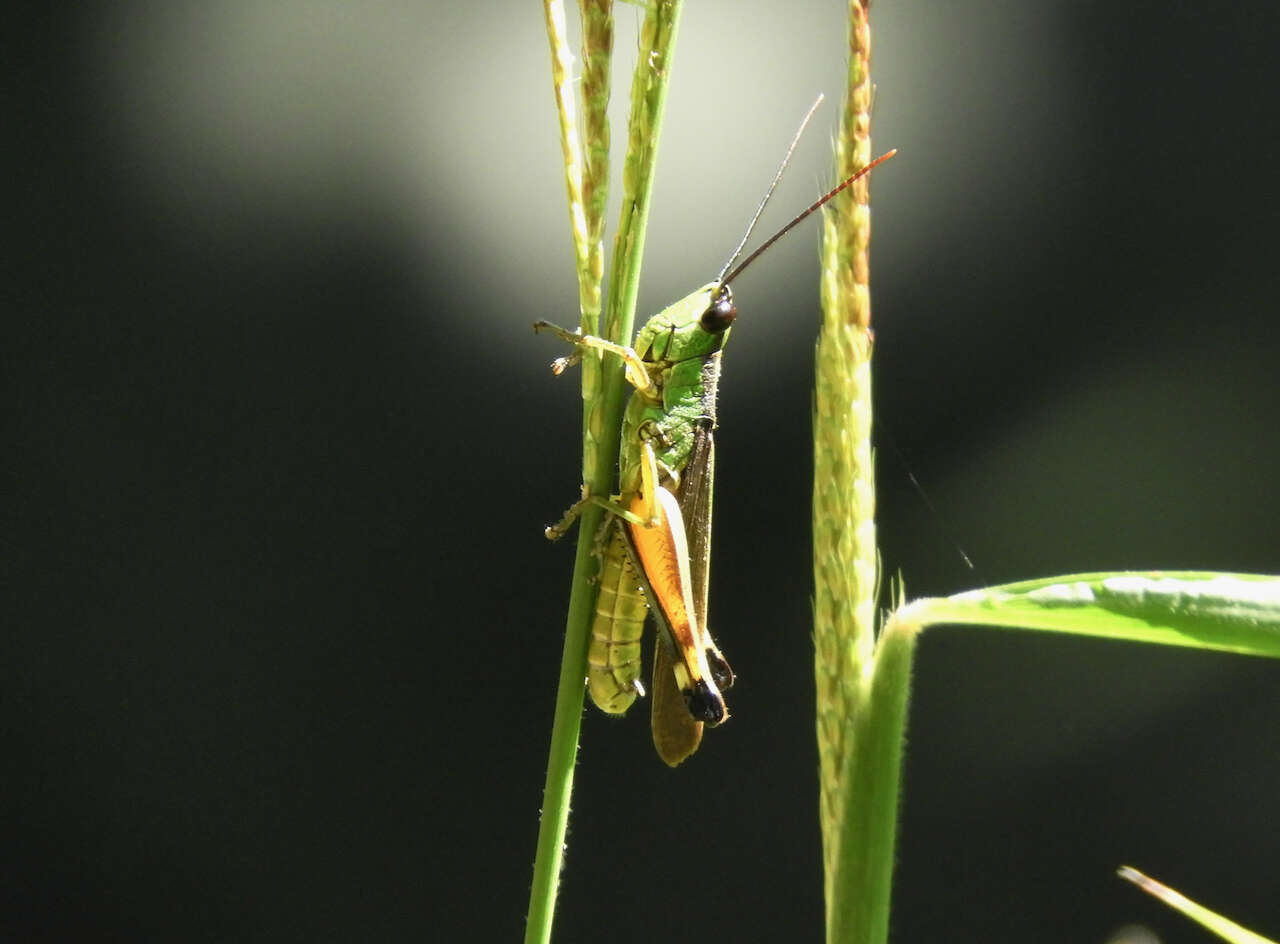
561,364
554,532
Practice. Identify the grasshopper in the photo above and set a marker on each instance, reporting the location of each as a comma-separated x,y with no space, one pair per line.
655,543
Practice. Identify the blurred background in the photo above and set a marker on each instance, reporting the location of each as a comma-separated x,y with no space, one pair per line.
283,632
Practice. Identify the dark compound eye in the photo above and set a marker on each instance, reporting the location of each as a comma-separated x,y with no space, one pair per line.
720,314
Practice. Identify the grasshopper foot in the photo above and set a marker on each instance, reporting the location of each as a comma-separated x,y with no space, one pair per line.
561,364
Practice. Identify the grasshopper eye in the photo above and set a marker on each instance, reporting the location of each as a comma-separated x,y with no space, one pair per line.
717,318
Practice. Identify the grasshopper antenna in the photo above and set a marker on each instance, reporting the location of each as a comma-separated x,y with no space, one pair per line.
720,279
817,204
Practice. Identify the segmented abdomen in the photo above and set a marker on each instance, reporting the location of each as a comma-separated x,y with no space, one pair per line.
613,657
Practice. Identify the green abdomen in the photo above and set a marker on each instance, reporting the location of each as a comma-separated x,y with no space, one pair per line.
613,658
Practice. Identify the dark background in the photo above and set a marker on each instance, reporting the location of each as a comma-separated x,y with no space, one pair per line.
283,633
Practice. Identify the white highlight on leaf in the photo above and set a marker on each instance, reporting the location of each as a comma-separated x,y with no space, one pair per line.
1063,594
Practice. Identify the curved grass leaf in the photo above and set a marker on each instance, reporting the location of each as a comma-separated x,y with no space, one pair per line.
1201,610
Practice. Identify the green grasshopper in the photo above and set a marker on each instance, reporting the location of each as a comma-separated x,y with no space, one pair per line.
655,544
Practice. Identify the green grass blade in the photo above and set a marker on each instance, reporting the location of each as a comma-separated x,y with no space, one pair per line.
1226,929
1224,612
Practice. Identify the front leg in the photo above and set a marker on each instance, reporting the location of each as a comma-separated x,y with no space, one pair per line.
637,372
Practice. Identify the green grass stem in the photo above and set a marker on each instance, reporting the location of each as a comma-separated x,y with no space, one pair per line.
863,858
859,711
603,390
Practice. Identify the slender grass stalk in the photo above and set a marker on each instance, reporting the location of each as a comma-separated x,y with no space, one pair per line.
861,688
603,381
844,535
570,148
844,532
558,785
597,59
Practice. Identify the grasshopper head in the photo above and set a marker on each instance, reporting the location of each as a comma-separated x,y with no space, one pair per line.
721,313
694,327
